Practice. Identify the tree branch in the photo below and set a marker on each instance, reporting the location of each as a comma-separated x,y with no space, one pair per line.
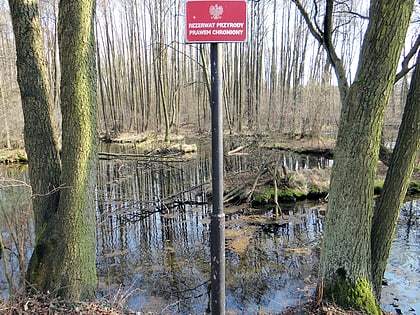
353,13
315,33
324,38
405,68
315,15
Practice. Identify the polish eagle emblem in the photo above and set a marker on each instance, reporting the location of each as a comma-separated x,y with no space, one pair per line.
216,11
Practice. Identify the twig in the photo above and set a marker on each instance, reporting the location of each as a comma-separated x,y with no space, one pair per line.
3,256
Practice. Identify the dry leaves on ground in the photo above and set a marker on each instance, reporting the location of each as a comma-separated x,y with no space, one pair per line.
44,305
323,308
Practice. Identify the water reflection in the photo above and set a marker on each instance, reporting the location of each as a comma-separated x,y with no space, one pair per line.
153,238
403,269
151,234
157,214
278,267
15,225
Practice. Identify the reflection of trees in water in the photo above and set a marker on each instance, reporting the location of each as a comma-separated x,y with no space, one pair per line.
150,228
16,226
154,232
291,160
277,260
410,213
153,236
402,273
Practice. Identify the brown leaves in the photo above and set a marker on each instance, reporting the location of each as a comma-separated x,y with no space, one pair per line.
45,305
323,308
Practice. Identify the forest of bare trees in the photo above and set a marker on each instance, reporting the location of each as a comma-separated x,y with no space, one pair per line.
150,81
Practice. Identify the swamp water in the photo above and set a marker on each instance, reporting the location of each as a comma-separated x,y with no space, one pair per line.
154,231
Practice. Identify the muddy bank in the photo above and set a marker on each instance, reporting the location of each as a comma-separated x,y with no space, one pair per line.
13,156
271,186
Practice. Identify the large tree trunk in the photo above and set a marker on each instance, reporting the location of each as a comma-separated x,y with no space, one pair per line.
345,266
39,134
396,182
64,259
74,270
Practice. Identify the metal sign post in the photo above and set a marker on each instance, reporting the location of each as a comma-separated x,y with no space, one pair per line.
217,230
212,21
216,21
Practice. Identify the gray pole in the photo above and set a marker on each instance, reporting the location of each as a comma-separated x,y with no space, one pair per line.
217,231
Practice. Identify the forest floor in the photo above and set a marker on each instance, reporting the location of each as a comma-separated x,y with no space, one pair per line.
44,305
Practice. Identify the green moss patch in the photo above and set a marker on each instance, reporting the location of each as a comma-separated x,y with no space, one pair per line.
304,184
285,194
413,188
378,186
358,296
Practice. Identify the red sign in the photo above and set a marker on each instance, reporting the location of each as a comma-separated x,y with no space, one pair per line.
215,21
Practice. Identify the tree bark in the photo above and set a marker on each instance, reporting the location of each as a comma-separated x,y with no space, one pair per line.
74,269
63,261
39,134
396,182
345,266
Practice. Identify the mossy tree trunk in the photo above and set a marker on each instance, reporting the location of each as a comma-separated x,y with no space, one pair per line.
64,259
396,182
345,266
39,134
75,266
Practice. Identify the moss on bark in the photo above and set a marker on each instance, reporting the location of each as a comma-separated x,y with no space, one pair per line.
359,296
